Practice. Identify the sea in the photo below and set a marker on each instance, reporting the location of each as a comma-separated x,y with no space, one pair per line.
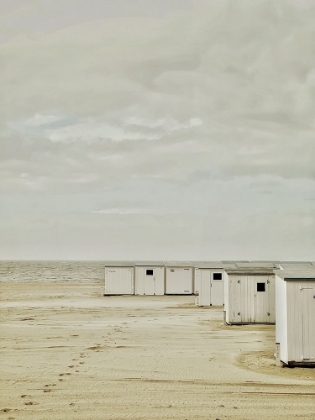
52,271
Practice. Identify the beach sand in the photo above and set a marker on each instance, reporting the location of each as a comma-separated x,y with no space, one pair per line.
68,352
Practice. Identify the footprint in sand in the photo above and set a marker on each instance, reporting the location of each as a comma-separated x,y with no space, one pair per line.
71,366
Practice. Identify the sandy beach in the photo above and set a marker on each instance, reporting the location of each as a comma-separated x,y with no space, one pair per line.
68,352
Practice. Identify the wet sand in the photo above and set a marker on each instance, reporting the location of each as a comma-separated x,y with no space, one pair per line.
68,352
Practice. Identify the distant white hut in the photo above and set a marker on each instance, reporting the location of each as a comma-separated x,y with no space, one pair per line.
249,294
119,278
149,278
209,285
295,316
203,265
178,278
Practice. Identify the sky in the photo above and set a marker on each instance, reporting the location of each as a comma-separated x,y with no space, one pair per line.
157,130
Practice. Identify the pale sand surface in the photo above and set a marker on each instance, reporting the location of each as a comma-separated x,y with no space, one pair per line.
67,352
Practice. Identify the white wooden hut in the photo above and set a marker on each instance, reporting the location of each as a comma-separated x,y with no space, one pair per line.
208,281
202,265
295,316
178,278
149,278
119,278
249,294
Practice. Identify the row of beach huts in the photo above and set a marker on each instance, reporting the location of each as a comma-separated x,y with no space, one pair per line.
265,292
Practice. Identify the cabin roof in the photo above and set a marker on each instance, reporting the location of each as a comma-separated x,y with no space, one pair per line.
300,274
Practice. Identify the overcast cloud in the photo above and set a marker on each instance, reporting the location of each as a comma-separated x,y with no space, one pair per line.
157,129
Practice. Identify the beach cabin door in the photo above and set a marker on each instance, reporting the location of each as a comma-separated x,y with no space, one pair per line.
149,282
216,293
261,294
308,323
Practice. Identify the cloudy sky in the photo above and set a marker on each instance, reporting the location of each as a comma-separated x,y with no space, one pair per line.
146,129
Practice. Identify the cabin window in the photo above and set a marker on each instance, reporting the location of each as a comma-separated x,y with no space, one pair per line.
217,276
149,272
261,287
172,270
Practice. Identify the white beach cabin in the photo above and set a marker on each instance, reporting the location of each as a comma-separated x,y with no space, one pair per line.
178,278
119,278
201,265
249,295
209,284
149,278
295,316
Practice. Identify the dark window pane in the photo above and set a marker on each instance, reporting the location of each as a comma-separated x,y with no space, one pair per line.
261,287
217,276
149,272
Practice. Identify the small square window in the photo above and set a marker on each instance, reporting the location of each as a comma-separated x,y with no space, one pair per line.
217,276
172,270
261,287
149,272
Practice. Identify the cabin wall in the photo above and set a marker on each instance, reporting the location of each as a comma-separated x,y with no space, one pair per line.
251,298
179,280
301,321
119,281
282,318
196,281
149,280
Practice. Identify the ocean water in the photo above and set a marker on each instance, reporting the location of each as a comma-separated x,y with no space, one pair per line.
52,271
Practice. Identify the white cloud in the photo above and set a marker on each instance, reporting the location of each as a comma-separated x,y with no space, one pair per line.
195,122
168,124
89,130
136,211
38,120
249,151
142,122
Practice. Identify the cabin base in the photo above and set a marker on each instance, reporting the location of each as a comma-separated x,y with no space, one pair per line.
304,364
